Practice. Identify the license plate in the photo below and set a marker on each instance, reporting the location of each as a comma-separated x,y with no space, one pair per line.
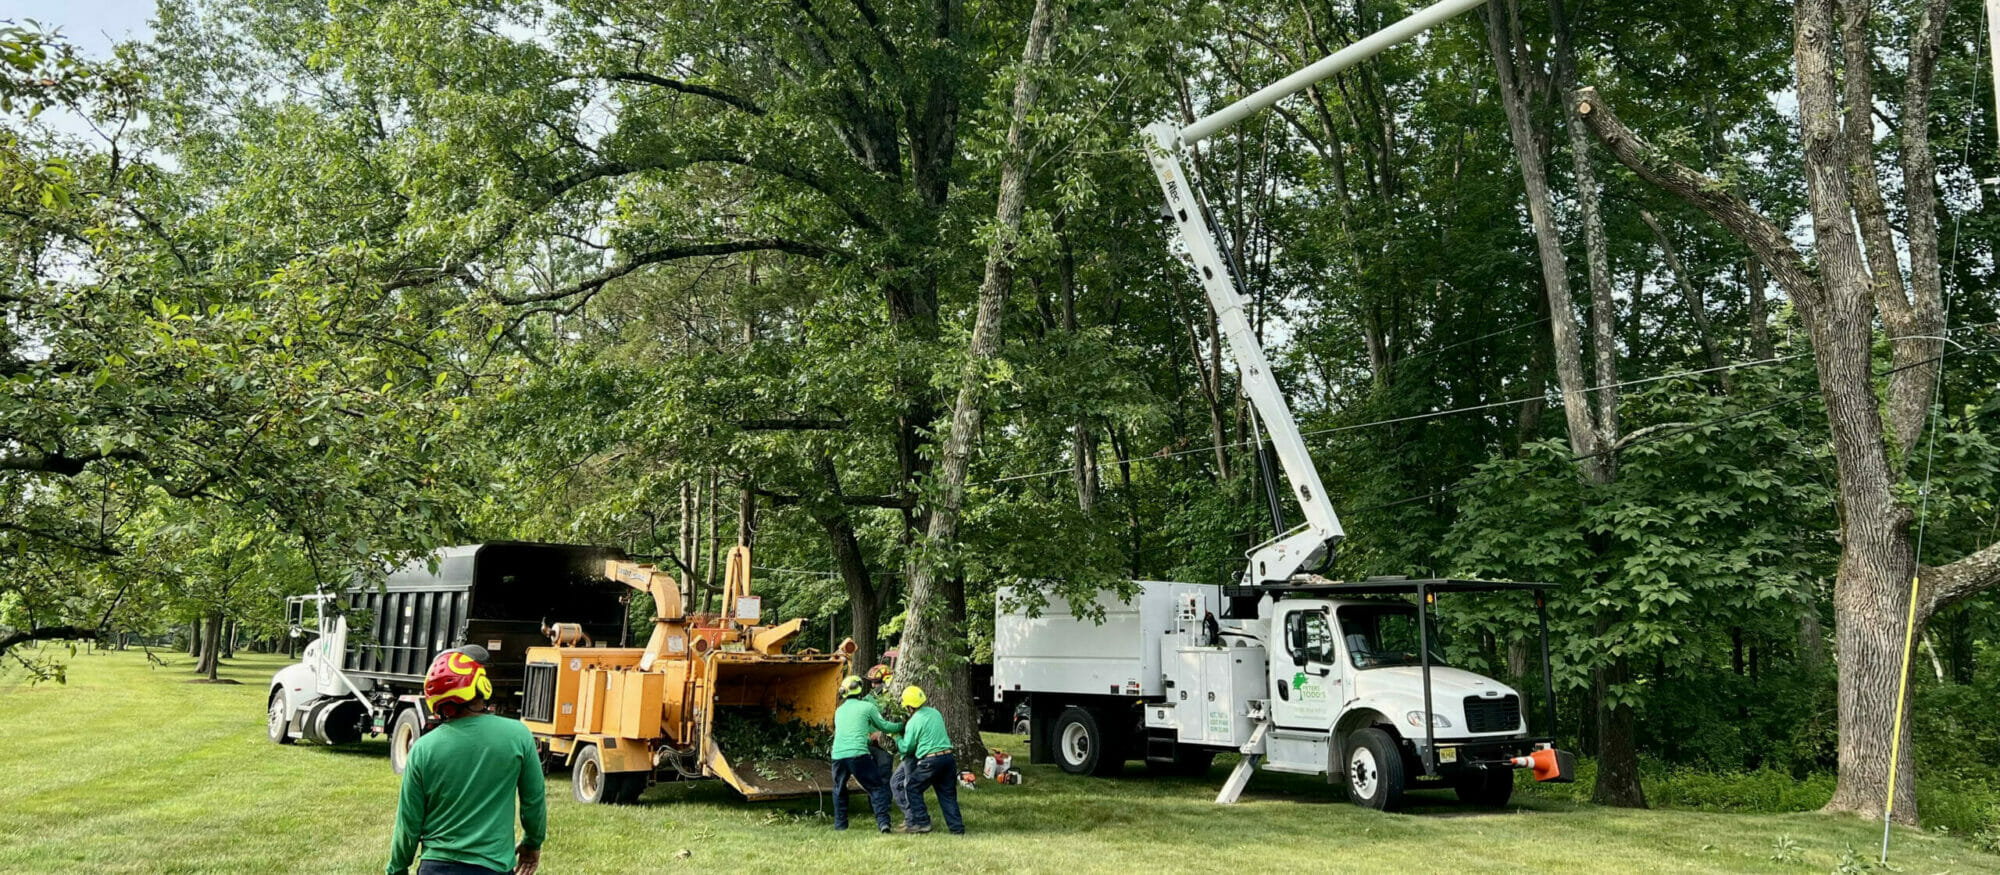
1447,754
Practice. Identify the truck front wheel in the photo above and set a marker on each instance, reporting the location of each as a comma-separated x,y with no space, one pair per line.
1486,787
280,717
403,735
1082,748
1374,770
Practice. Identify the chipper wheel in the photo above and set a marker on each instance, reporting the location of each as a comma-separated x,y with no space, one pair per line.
591,784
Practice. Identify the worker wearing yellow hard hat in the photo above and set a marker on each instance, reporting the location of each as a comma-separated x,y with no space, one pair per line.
852,722
935,766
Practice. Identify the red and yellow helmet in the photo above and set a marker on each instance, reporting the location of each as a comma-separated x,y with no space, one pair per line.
455,679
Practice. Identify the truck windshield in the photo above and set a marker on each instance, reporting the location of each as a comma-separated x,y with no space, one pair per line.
1378,636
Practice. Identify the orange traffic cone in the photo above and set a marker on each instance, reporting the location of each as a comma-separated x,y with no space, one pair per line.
1549,765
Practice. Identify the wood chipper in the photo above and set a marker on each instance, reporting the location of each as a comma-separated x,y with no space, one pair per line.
622,717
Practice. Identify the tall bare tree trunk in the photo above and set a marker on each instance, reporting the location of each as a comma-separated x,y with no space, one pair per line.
934,642
1618,756
1083,444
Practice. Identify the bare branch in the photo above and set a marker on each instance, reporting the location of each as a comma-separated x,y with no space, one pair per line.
1961,580
743,103
672,253
1736,215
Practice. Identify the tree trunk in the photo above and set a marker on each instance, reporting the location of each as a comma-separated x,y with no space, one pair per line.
211,644
1568,348
229,640
934,640
864,602
1617,771
1083,444
194,637
1597,251
1691,296
1760,327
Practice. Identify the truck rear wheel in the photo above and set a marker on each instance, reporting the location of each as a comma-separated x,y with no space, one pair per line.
403,734
279,719
1374,770
1081,745
1486,787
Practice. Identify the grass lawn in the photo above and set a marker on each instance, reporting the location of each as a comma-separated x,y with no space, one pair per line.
128,768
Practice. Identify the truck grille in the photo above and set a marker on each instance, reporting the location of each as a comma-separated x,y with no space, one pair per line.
538,692
1492,715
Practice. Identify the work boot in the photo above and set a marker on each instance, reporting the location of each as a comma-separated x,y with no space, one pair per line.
916,830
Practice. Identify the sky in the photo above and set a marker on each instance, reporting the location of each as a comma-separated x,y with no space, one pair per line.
92,25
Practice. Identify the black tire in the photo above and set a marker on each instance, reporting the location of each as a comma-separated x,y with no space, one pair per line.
277,717
632,784
1188,761
592,785
1374,770
1021,727
1082,746
403,734
1485,787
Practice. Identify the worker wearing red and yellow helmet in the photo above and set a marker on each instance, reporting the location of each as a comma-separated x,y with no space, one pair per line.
462,780
457,683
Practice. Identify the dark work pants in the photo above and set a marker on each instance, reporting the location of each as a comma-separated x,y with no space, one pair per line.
939,773
871,779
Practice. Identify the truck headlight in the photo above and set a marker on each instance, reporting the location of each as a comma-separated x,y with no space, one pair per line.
1438,721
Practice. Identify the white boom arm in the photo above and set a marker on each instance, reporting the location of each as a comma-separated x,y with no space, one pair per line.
1308,546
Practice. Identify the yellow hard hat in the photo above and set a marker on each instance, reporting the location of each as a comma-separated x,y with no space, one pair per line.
850,687
913,696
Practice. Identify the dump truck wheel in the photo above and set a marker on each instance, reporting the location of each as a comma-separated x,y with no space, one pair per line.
1374,770
403,734
1082,748
279,719
1485,787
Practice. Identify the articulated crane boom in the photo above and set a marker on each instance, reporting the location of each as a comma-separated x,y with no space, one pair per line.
1309,546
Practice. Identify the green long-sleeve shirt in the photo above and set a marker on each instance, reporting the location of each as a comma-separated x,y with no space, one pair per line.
924,734
852,722
459,790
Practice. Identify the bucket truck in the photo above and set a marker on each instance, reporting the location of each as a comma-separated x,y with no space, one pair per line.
1298,673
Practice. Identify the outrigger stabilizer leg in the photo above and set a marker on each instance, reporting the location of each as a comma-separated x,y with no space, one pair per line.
1253,753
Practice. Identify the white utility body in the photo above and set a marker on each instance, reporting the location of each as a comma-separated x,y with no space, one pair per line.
1319,677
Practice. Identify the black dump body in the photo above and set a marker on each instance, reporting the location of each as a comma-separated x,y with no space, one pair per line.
495,595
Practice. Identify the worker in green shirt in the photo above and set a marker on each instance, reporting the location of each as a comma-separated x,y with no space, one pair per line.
462,778
935,766
853,721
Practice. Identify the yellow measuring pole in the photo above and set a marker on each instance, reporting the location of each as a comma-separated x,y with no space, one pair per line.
1896,729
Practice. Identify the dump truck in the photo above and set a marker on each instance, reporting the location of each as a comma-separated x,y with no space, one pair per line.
362,671
623,718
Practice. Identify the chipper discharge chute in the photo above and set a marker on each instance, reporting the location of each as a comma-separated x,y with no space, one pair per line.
710,695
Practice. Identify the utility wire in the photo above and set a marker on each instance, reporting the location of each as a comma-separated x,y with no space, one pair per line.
1555,401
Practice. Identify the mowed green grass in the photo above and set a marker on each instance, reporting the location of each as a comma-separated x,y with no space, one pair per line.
128,768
